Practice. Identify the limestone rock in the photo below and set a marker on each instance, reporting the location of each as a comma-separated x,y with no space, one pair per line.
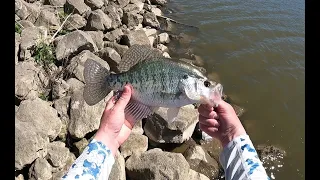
73,43
181,129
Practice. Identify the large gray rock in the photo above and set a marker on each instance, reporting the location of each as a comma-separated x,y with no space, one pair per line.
27,84
41,116
74,85
81,145
16,17
156,164
111,57
26,23
152,40
58,154
114,36
62,106
78,6
73,43
19,177
122,3
150,19
60,89
59,3
156,11
29,144
84,118
162,48
133,7
213,147
132,19
136,37
135,143
27,11
137,128
76,65
158,130
166,54
159,2
75,21
62,136
114,14
150,31
29,38
40,169
16,108
16,47
194,175
98,20
57,173
164,38
118,171
97,37
47,19
121,49
200,161
57,39
94,4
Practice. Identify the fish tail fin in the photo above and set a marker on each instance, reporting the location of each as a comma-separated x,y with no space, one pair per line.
96,87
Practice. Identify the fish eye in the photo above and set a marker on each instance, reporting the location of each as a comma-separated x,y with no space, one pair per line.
207,83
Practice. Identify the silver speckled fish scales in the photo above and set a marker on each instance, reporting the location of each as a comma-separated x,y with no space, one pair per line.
157,82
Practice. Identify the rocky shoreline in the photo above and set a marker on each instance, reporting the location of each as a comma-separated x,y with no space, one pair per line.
53,124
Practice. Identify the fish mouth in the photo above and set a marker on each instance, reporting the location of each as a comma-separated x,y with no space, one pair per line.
215,96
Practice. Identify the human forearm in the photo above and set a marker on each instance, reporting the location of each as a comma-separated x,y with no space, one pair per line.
95,162
240,160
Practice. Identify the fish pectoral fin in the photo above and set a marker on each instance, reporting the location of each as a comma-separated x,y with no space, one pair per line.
135,111
172,113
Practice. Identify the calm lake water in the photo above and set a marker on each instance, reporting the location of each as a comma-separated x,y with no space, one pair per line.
256,49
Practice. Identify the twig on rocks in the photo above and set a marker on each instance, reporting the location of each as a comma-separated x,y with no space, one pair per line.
55,34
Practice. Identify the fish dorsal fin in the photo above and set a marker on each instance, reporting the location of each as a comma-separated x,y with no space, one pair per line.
135,54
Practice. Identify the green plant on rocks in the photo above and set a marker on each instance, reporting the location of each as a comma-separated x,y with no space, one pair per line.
44,53
44,97
18,28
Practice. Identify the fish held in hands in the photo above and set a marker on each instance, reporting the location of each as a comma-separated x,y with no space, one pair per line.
156,82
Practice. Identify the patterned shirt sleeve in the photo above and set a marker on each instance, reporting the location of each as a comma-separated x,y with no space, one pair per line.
94,163
240,160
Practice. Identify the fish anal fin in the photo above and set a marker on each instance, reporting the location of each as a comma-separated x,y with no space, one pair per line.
135,111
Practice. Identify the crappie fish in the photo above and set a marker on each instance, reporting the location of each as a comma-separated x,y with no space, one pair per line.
157,82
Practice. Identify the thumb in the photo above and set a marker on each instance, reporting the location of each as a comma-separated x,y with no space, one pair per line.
124,99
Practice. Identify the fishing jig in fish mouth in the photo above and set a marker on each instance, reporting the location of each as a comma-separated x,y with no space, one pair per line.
156,81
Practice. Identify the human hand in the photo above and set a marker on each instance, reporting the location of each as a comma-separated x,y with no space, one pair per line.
114,128
220,122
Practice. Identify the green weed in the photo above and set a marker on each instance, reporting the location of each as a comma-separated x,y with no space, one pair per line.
18,28
43,97
44,54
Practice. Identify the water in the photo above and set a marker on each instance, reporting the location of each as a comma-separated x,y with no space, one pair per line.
256,49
